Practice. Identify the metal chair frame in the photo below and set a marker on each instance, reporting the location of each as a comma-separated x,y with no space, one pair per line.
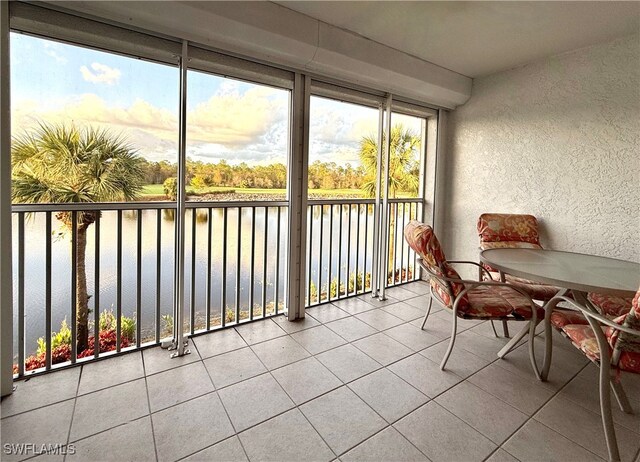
606,380
469,285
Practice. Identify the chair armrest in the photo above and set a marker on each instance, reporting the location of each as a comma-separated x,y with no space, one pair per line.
470,284
597,316
467,262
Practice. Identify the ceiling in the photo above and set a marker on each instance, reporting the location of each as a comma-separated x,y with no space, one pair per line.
478,38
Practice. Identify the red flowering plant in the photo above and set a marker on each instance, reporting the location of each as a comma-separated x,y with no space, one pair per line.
61,342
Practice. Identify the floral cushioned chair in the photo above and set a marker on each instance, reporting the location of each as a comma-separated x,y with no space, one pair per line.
487,300
613,344
503,230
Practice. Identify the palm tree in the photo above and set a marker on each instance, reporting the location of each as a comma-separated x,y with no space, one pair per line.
67,164
404,168
403,161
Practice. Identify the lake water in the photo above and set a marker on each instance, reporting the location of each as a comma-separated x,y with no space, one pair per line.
349,243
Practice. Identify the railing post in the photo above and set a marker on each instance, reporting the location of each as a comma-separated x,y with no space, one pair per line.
375,263
297,197
178,302
385,202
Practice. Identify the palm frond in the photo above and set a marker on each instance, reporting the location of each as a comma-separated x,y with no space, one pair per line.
66,163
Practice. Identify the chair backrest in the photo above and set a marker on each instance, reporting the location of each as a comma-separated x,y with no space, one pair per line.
508,230
424,242
624,341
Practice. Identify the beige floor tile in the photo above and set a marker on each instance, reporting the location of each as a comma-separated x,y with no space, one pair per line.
218,342
189,427
45,425
318,339
441,436
178,385
260,331
388,445
383,348
132,441
585,428
104,409
347,362
535,442
306,379
255,400
266,442
234,366
487,414
342,419
388,395
425,375
229,450
279,352
41,391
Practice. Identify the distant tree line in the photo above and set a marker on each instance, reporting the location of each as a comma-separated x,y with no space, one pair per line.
322,175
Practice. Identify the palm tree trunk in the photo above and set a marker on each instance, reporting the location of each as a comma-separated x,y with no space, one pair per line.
82,298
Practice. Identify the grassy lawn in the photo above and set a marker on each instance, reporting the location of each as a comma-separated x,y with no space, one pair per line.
157,190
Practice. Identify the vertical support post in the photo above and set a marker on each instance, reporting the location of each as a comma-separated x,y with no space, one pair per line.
96,284
375,263
47,296
297,196
276,297
385,202
74,288
178,301
138,280
439,174
251,260
6,277
21,327
158,270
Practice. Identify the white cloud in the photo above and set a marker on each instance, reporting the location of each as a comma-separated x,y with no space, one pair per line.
245,126
101,74
52,49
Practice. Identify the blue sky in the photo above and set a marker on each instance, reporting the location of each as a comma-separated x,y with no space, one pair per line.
227,119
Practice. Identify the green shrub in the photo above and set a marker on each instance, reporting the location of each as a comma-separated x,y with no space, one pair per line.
170,187
127,325
62,337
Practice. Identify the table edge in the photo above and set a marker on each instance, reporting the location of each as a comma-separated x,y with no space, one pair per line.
557,282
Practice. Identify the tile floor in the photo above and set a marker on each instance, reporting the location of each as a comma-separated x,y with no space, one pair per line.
356,380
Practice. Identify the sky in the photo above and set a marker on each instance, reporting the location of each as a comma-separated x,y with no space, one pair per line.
226,118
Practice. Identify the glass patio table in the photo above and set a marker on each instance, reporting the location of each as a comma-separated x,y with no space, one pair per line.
574,273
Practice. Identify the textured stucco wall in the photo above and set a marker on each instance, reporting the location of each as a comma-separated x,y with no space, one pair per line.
558,138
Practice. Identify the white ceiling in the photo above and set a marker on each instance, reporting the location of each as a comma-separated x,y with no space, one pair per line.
479,38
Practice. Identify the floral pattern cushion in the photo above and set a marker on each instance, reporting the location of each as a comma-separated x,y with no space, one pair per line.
610,305
535,290
561,318
509,245
496,302
479,302
623,340
424,242
505,227
583,337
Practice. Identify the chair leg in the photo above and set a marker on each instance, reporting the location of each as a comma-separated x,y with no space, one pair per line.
426,316
532,351
505,329
605,395
514,341
621,397
607,416
493,326
452,341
